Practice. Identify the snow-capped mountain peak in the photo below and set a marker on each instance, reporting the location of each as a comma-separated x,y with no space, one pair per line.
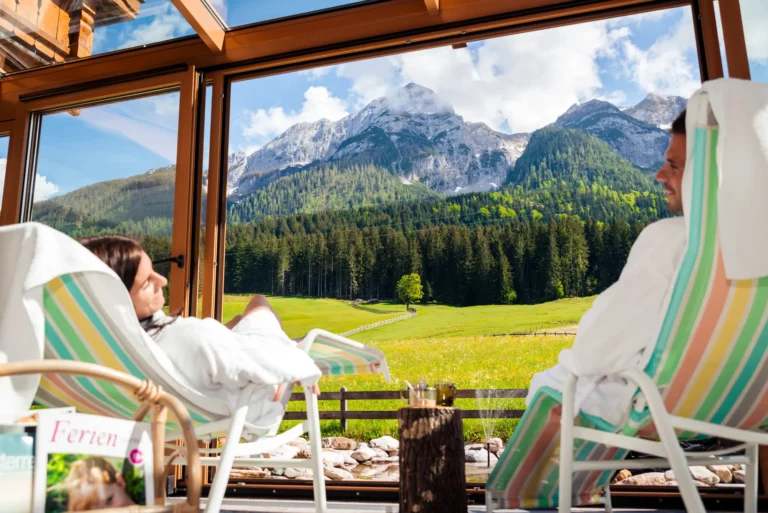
657,110
412,131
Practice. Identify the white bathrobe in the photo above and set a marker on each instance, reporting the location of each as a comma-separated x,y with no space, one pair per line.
620,330
203,354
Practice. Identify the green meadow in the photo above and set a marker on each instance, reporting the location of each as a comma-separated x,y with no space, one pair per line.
474,347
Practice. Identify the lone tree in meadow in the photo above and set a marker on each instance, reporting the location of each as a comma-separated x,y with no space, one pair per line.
409,289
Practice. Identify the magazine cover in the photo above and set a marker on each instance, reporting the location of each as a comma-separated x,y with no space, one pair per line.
17,455
91,463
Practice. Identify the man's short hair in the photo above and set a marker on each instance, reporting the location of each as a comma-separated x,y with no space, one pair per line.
678,125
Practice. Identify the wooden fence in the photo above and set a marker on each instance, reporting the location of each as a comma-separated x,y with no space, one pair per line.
343,414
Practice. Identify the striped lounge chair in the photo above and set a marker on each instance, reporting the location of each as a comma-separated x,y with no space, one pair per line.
79,324
707,376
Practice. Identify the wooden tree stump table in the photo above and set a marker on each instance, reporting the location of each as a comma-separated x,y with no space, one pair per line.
432,476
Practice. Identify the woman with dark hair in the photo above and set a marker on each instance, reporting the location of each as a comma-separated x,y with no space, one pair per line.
133,266
215,357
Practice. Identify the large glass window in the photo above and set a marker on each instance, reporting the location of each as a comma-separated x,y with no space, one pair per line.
754,15
110,169
244,12
36,33
3,160
507,179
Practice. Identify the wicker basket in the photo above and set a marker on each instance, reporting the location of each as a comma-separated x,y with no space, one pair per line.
153,400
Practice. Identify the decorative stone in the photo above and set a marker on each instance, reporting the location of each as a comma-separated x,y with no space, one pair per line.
704,475
648,479
304,454
738,476
337,474
278,472
381,454
478,456
292,473
621,476
736,466
722,471
339,443
363,453
298,442
284,452
388,459
331,457
495,445
385,443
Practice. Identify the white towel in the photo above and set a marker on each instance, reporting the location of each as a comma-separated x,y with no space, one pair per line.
740,109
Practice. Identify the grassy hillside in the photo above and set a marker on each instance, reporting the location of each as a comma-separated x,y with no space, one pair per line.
299,315
325,187
441,343
449,321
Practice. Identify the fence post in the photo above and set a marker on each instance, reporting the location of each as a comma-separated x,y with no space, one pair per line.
343,408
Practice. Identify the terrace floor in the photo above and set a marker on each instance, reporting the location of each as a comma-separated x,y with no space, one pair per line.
295,506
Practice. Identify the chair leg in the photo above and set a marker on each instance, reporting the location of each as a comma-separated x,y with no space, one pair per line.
750,480
666,432
608,504
565,484
318,478
227,457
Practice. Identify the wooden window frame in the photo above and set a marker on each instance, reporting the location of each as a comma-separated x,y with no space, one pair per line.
24,145
734,39
303,42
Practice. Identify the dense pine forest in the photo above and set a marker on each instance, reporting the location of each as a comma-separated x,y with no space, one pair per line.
561,226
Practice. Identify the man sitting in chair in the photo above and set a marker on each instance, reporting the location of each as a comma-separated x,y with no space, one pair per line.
620,329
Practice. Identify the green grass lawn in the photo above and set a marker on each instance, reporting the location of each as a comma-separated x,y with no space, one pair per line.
299,315
469,362
442,343
450,321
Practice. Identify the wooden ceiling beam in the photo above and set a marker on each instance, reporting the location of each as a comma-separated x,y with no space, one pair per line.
206,23
433,6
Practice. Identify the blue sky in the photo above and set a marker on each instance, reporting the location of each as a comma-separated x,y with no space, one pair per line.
517,83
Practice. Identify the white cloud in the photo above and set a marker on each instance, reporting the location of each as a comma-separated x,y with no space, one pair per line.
167,24
43,188
755,17
664,67
318,104
315,73
519,83
615,97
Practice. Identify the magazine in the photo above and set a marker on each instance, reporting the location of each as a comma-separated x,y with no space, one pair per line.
91,463
17,454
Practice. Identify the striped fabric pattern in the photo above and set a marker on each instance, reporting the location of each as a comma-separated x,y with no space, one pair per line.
526,476
710,362
77,328
337,359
